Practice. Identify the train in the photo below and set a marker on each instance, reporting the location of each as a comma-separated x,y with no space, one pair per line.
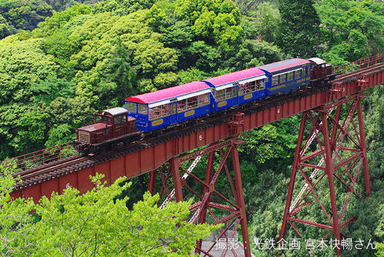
155,111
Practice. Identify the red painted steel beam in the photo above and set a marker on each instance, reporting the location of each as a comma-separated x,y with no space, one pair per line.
330,171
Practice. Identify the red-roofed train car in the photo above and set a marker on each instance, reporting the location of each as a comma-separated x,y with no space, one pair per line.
286,76
168,106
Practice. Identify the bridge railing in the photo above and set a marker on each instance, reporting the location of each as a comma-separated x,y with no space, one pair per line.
40,157
363,63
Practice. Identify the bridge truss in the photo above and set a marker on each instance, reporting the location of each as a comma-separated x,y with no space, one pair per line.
334,151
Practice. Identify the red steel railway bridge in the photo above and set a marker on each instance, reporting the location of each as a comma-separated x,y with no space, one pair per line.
330,149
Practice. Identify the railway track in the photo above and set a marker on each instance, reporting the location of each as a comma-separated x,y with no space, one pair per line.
347,77
77,162
49,171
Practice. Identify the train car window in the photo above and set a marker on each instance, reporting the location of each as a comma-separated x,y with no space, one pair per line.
99,118
250,87
181,105
235,91
228,93
164,110
203,99
143,109
220,95
290,76
132,107
246,88
259,84
275,80
155,113
109,120
241,89
124,118
283,78
117,120
192,102
304,72
158,112
173,108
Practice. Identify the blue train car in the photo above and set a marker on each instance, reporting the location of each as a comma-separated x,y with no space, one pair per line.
237,88
286,76
165,107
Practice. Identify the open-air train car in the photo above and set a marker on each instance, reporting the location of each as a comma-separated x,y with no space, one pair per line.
286,76
237,88
165,107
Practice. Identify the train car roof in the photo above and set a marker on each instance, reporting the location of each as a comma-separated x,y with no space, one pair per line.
235,77
317,60
180,92
114,111
283,65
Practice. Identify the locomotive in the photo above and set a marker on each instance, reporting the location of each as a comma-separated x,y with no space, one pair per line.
164,108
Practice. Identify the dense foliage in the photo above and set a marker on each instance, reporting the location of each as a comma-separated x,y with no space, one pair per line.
351,29
299,33
60,61
96,223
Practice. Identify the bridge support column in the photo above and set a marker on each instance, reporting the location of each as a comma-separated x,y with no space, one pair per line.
208,184
334,151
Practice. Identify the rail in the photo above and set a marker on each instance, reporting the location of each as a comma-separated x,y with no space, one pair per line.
37,158
363,63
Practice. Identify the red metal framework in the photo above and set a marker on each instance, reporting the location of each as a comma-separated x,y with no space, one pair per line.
213,205
334,150
366,62
41,157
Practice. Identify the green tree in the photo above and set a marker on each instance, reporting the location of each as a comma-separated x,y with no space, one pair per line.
24,15
300,28
272,144
267,21
49,89
22,64
248,7
62,5
95,223
14,215
59,19
118,54
123,7
213,20
353,29
5,29
253,53
27,76
65,116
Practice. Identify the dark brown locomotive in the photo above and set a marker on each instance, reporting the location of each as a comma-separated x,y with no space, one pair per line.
110,126
320,70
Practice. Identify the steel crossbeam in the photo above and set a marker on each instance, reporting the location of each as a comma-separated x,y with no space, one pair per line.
210,198
341,149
